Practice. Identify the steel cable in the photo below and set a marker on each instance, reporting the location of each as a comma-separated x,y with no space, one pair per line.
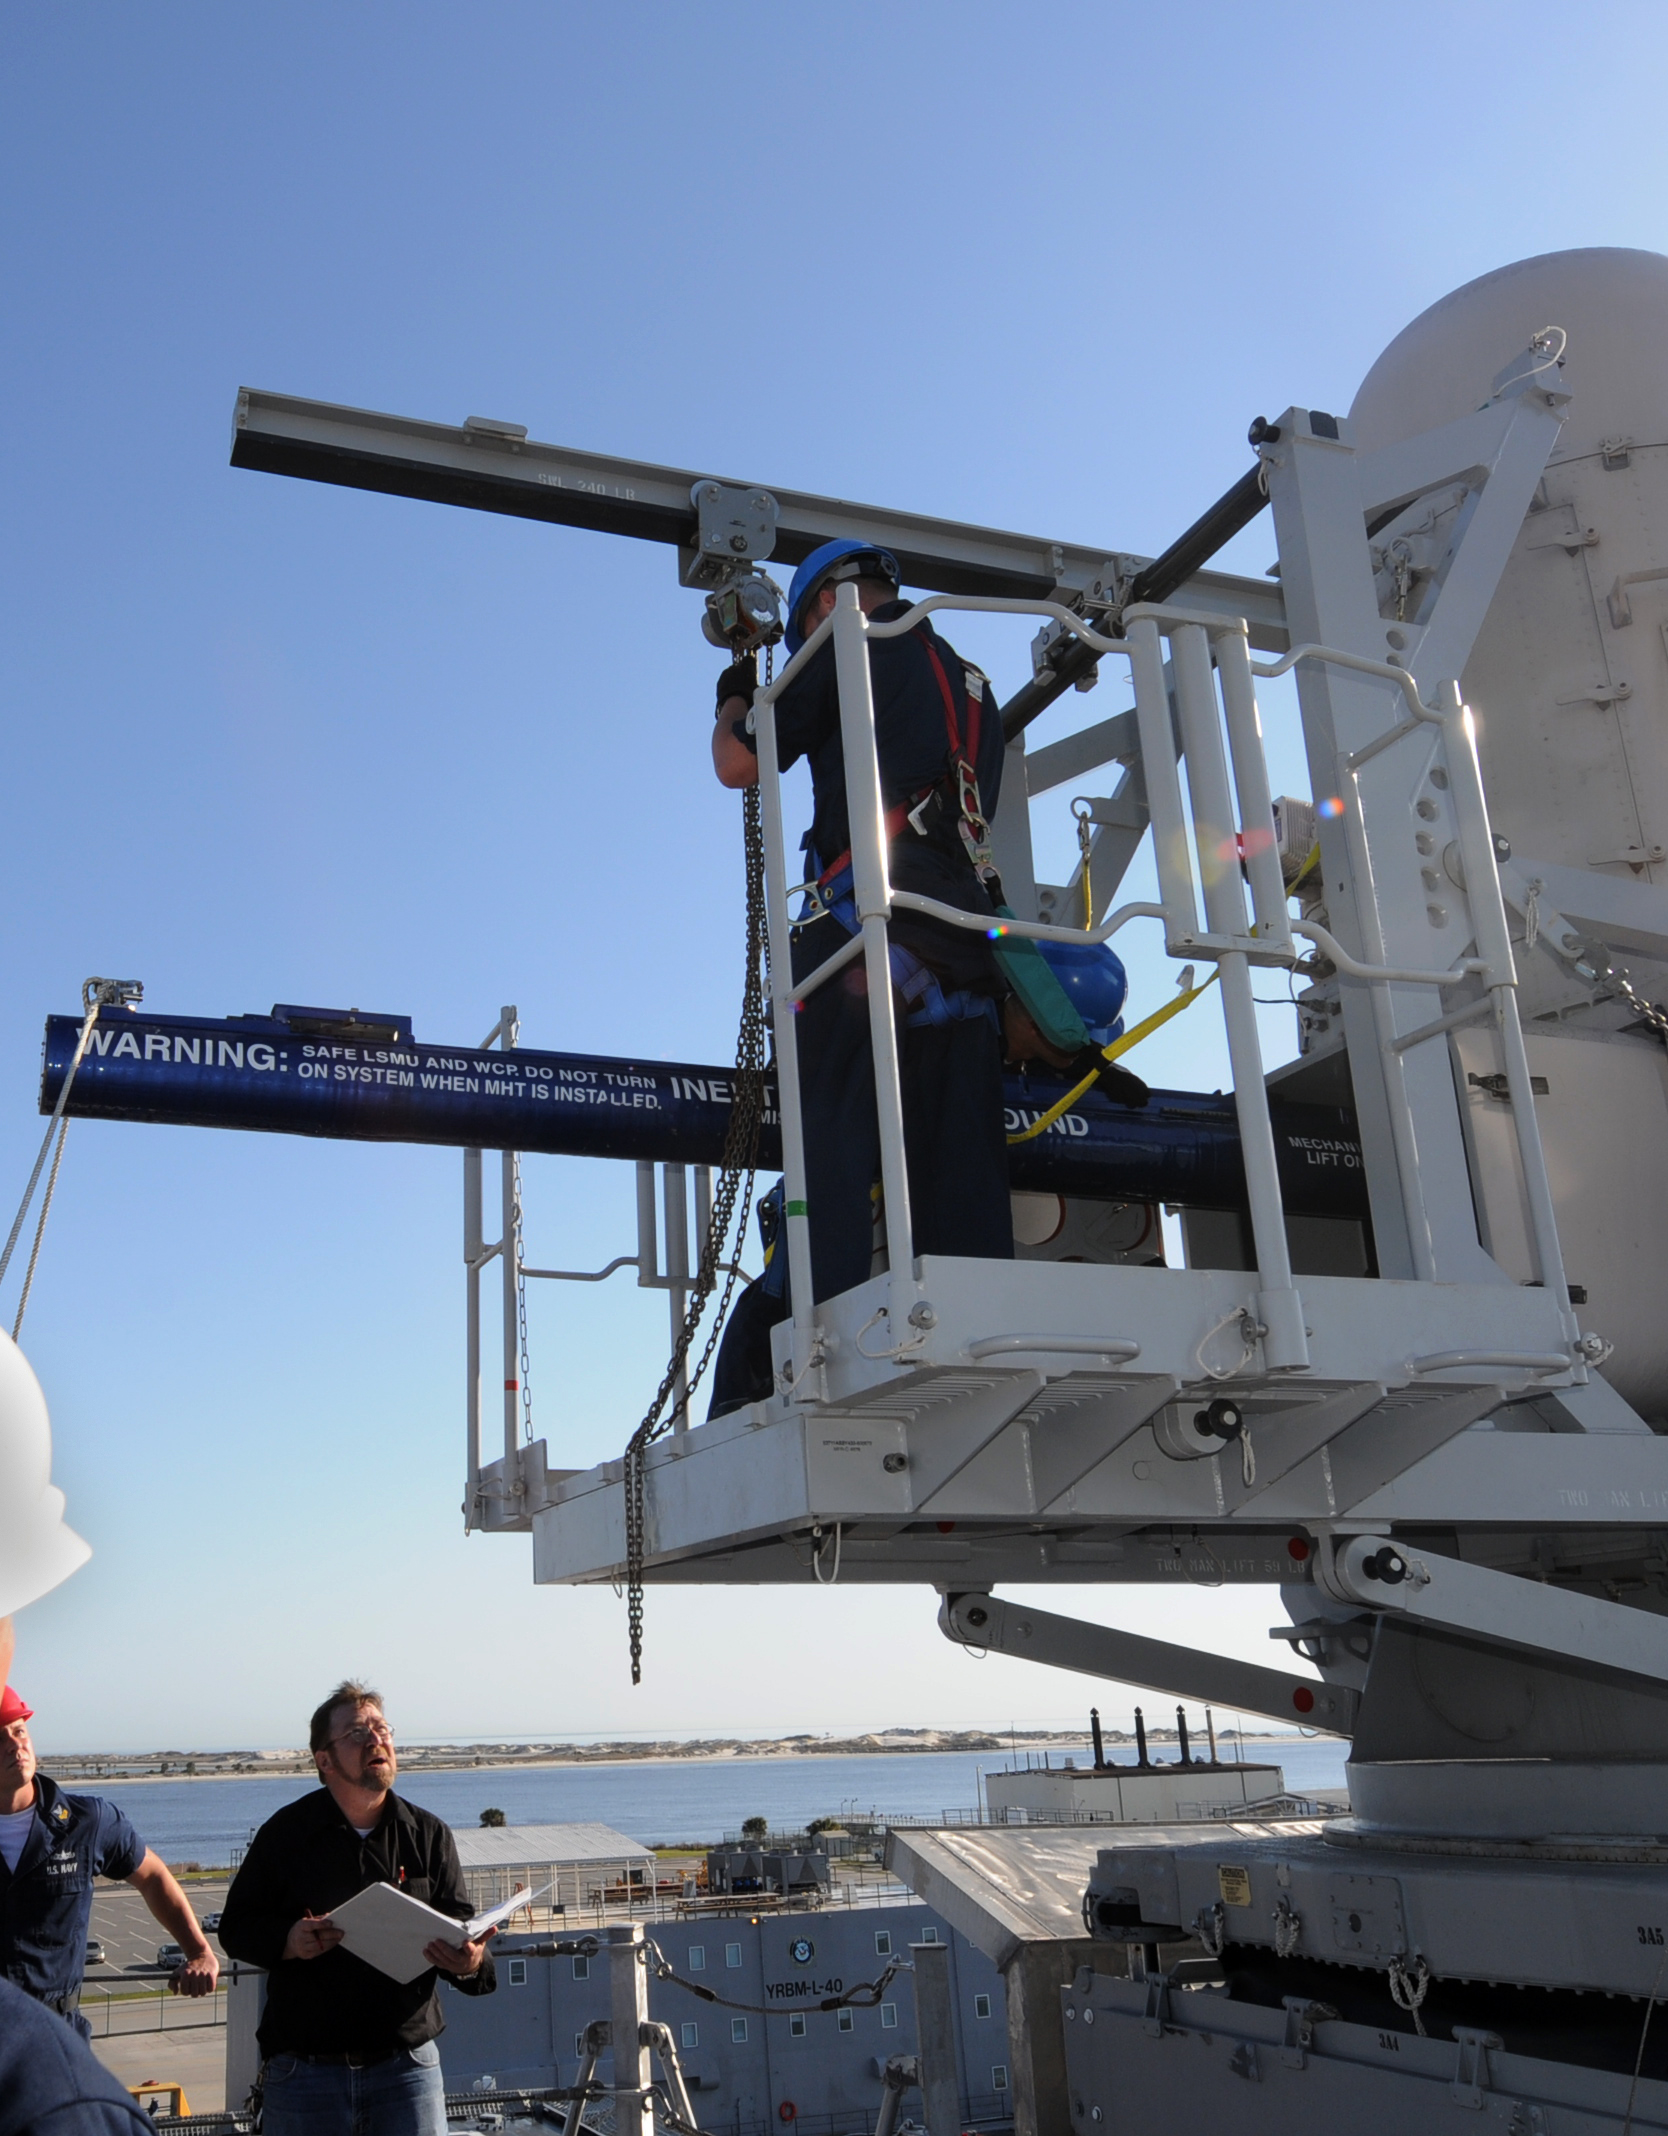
95,995
864,1996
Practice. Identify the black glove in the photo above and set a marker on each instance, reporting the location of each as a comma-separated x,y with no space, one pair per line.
740,680
1115,1081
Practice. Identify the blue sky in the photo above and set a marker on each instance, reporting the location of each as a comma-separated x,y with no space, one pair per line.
269,741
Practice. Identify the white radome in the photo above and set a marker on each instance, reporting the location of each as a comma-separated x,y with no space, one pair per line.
1568,684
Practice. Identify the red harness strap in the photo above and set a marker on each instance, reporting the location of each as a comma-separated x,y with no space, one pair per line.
962,760
952,726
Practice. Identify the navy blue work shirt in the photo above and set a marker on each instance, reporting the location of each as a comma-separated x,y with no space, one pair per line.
50,2082
47,1901
912,748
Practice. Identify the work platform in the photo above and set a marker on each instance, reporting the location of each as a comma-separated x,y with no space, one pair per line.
1056,1438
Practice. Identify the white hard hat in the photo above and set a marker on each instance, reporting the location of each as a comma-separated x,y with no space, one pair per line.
36,1549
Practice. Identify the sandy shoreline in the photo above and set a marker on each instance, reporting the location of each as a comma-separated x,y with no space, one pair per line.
581,1762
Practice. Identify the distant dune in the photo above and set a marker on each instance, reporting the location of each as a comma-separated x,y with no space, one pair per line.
453,1757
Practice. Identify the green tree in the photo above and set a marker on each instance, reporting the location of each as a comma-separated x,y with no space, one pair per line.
755,1829
493,1817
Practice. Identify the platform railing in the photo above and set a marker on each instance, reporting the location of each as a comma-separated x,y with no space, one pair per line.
1216,846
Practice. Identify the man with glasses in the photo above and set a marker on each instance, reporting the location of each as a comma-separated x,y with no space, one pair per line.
347,2051
53,1846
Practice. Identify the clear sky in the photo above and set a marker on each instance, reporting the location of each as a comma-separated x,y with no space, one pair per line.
269,741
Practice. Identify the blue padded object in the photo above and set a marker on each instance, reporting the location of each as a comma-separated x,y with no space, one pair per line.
1095,983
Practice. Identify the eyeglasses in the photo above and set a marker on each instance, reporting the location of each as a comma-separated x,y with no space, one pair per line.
365,1733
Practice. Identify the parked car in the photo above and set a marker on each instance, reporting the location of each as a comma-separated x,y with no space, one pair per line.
211,1922
95,1952
170,1955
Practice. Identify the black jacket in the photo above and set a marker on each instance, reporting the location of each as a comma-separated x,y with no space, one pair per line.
308,1858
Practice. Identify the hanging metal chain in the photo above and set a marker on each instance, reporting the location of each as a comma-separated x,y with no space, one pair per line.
732,1202
1617,977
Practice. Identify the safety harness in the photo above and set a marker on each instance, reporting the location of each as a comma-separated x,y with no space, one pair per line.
926,999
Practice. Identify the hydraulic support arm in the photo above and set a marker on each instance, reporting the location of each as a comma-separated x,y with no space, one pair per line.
1128,1658
1499,1608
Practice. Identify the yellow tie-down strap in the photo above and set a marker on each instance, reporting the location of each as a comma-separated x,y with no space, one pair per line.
1184,1000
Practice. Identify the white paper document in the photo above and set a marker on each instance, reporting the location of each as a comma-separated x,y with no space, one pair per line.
479,1923
389,1929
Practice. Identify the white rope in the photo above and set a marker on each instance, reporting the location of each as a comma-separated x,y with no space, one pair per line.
1644,2033
40,1230
1248,1344
1409,1989
817,1542
1532,914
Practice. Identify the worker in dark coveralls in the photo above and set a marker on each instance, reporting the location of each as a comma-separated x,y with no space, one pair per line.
940,750
346,2050
53,1846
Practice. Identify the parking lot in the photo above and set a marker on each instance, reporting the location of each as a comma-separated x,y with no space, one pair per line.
139,2033
123,1924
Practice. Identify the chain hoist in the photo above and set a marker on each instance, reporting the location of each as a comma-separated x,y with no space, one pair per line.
732,1203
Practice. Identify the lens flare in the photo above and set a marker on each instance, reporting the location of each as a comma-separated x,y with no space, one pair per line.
1332,807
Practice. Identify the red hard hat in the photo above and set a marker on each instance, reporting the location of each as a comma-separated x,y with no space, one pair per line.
12,1708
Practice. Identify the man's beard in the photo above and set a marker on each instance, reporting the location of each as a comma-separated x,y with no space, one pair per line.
376,1769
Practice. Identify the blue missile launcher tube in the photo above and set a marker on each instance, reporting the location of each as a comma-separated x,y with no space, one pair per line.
366,1079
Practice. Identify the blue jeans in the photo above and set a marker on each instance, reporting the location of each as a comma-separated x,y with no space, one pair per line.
404,2096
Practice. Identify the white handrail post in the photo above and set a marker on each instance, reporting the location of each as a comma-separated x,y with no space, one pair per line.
648,1251
1494,944
510,1259
1256,803
1279,1308
872,889
674,1181
1163,784
796,1234
1415,1214
474,1248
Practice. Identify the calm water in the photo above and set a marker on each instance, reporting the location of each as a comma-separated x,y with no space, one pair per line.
674,1800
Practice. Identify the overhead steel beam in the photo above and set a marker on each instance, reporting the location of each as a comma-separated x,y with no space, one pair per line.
496,468
1177,570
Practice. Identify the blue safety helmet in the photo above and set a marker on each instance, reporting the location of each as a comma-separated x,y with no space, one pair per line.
861,559
1095,984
